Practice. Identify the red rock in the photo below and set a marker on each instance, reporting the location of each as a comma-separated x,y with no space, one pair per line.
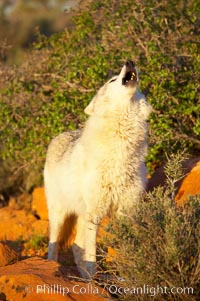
24,201
39,205
7,255
15,224
41,227
36,279
190,185
20,224
13,203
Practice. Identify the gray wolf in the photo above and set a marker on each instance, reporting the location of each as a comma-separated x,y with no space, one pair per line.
98,170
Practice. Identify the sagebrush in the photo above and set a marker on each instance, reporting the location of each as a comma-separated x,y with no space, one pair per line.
158,246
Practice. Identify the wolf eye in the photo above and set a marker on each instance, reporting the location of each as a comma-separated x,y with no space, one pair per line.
112,80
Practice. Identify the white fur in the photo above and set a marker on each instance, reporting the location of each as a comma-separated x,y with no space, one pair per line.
99,170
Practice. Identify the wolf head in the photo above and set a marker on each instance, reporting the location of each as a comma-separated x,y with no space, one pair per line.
119,93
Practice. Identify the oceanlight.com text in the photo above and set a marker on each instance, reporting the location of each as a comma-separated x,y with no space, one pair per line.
149,290
90,289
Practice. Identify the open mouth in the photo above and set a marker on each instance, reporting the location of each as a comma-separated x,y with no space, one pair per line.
130,74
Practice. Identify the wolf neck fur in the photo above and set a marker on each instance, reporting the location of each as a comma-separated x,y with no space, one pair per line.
115,137
116,126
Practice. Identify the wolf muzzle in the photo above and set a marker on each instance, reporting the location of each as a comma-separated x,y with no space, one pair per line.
130,76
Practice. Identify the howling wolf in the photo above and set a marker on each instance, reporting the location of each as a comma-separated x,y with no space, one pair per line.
98,170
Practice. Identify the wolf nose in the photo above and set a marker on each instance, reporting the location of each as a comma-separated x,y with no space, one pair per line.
130,64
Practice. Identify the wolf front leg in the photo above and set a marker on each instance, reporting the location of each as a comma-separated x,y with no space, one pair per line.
79,246
90,245
84,247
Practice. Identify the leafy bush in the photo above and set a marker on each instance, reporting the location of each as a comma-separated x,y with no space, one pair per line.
158,245
37,242
47,94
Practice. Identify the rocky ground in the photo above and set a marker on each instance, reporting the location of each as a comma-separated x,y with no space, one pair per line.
25,274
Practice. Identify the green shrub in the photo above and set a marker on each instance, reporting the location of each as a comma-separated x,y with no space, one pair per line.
48,93
158,246
37,242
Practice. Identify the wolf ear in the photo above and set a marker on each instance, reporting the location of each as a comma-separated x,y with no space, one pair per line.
89,110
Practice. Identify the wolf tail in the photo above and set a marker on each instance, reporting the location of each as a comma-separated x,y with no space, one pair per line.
67,232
